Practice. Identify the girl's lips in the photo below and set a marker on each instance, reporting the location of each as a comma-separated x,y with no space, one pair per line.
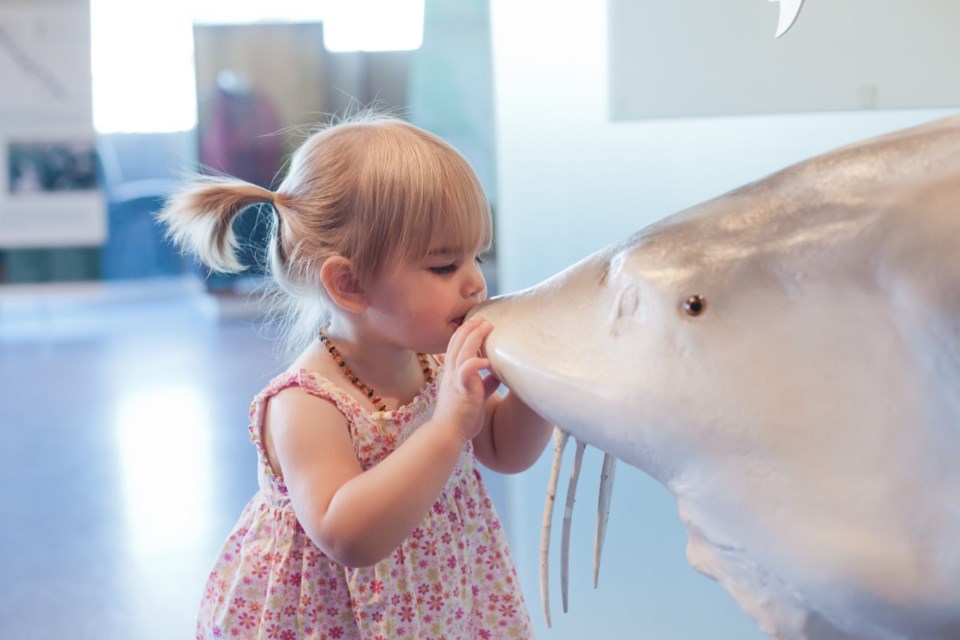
458,321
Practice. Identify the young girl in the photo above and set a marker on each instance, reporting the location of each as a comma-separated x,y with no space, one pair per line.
372,520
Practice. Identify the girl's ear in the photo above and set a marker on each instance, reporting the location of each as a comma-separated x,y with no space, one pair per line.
342,284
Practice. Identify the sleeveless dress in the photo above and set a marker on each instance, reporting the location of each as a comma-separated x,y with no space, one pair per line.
453,577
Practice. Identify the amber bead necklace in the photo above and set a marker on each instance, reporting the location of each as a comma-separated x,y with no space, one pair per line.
360,384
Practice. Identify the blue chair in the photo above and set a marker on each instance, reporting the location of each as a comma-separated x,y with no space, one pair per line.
135,245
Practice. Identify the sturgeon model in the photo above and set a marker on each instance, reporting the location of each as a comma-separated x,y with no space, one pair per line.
785,359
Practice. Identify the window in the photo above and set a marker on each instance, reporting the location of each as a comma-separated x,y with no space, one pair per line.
142,54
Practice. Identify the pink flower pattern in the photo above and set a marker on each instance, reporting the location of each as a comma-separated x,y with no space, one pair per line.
452,578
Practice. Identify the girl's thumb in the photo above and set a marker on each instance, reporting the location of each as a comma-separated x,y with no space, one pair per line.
490,385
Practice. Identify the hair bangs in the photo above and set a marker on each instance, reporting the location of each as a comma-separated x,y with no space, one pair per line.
449,212
410,195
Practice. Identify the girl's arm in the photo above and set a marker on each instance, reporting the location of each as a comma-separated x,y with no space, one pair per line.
359,517
513,435
356,517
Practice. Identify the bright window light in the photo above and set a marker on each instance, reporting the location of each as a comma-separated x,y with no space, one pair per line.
250,11
142,58
373,25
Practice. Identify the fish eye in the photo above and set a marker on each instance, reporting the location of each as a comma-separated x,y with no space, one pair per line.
695,305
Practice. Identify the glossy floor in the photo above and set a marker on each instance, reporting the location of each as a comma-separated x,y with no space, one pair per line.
123,414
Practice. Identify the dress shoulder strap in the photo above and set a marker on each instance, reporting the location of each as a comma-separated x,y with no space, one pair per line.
311,382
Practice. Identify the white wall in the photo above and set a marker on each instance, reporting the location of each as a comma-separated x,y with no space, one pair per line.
570,182
853,54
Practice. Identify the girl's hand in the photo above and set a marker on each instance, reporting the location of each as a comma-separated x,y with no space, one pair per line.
463,392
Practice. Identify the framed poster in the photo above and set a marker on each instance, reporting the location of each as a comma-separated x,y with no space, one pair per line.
49,194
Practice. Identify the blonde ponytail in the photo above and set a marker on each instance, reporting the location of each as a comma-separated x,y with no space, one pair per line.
199,218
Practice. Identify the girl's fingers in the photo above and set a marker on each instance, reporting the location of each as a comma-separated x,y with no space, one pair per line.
474,340
467,344
472,366
464,359
458,338
490,385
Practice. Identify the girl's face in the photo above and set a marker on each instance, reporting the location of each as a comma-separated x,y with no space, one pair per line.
418,305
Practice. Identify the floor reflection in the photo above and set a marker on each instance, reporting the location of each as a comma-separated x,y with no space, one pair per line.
166,466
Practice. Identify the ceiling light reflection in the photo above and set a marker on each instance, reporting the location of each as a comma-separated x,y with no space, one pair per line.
165,449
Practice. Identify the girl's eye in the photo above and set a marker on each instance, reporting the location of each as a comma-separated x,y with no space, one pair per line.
452,267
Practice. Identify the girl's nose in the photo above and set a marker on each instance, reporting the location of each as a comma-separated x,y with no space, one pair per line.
475,285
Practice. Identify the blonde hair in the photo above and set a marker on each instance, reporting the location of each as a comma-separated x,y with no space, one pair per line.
371,189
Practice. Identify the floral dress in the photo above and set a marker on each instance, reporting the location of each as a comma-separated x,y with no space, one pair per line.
453,577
